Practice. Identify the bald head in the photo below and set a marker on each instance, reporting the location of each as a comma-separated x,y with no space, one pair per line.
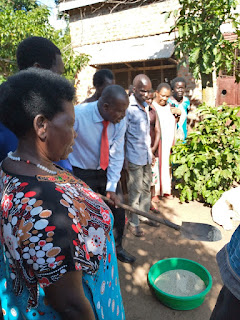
141,79
113,103
141,87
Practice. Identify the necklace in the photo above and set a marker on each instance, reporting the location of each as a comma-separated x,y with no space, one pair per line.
10,156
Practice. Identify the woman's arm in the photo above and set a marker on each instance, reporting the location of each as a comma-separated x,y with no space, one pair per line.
67,297
157,134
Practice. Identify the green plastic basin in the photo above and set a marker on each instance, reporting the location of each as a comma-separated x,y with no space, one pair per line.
176,302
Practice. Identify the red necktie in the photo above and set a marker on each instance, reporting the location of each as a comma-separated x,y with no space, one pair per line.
104,151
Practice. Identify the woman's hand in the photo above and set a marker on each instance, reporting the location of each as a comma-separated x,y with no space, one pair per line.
153,159
176,112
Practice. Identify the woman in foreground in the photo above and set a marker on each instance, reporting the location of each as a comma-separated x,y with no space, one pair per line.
57,255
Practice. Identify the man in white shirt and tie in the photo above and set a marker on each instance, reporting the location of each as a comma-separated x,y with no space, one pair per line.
98,153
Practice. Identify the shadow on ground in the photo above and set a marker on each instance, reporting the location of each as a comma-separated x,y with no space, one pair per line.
160,243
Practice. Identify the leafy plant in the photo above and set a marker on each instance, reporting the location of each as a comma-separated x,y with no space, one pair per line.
200,44
209,162
200,38
20,19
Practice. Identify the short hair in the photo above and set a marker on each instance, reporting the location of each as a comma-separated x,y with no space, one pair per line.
177,79
29,93
163,85
113,92
36,49
100,77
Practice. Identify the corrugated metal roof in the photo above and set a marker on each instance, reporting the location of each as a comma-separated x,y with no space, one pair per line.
68,5
139,49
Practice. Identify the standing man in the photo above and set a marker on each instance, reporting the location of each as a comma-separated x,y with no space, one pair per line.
98,153
101,79
138,151
35,52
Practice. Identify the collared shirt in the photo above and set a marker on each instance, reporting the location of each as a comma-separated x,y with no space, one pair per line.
138,140
86,150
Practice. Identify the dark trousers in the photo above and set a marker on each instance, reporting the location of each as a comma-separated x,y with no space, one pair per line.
97,180
227,306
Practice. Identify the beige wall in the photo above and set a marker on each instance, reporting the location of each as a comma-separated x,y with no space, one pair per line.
136,22
84,84
132,23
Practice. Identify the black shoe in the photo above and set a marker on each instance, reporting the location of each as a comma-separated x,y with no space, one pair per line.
124,256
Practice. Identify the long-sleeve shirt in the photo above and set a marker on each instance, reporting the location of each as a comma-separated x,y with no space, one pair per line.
138,140
86,150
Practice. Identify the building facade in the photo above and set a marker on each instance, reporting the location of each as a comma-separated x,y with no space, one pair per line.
128,39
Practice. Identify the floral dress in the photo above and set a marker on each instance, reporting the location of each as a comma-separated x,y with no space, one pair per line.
51,225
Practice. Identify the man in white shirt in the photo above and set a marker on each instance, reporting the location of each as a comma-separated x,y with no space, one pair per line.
86,155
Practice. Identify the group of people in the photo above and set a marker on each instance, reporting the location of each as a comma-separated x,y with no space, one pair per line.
59,240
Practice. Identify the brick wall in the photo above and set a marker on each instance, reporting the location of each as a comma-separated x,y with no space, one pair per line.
135,22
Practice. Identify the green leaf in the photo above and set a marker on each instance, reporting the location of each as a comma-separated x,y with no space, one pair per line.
194,55
167,16
209,161
229,157
189,194
179,172
20,19
180,31
198,24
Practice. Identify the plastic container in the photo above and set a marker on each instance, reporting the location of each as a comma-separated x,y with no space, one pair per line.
176,302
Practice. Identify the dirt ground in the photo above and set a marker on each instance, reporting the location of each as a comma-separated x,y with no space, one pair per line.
163,242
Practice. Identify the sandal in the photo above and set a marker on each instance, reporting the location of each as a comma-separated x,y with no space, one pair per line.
168,196
154,210
155,199
136,231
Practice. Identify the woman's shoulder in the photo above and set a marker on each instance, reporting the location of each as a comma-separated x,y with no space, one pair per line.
66,207
31,192
53,190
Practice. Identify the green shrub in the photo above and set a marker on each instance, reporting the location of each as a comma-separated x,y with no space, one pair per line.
209,162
